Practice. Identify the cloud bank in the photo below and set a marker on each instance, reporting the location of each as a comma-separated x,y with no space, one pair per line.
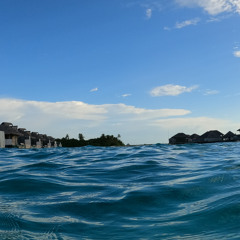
72,117
136,125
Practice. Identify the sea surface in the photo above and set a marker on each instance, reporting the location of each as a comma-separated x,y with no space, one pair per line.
141,192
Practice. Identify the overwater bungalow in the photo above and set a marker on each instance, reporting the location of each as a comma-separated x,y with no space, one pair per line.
230,136
51,141
25,139
11,134
211,136
36,139
208,137
180,138
193,138
44,140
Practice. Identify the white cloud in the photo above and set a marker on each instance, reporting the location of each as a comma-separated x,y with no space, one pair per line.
126,95
167,28
211,92
149,13
133,113
16,109
152,4
199,124
236,54
213,19
94,90
59,118
171,90
136,125
187,23
213,7
149,6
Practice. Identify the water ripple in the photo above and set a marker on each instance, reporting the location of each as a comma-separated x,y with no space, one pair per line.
142,192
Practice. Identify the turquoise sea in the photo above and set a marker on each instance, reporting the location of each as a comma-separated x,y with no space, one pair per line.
141,192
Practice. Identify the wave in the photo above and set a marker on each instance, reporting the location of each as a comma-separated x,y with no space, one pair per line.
141,192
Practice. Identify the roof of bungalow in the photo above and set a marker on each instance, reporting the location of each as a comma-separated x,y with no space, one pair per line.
35,135
24,132
229,134
8,128
43,137
180,135
212,134
52,139
194,136
6,124
179,138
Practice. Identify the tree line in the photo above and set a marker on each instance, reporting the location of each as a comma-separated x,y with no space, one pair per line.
103,140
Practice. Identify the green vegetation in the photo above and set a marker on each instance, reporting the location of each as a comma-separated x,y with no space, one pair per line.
104,140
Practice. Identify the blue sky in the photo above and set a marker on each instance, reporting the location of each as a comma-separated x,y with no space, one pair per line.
145,69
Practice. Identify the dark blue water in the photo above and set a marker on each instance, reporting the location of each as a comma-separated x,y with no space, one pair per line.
143,192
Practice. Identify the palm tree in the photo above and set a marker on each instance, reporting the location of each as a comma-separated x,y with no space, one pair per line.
80,137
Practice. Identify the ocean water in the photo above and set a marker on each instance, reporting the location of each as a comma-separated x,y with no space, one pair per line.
142,192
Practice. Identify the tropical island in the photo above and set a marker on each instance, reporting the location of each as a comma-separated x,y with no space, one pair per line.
103,140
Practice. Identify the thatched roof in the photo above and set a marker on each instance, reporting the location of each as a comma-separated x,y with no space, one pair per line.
35,135
179,138
229,135
9,129
24,132
7,124
212,134
193,136
180,135
52,139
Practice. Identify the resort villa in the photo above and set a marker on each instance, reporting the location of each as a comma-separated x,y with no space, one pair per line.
208,137
12,136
